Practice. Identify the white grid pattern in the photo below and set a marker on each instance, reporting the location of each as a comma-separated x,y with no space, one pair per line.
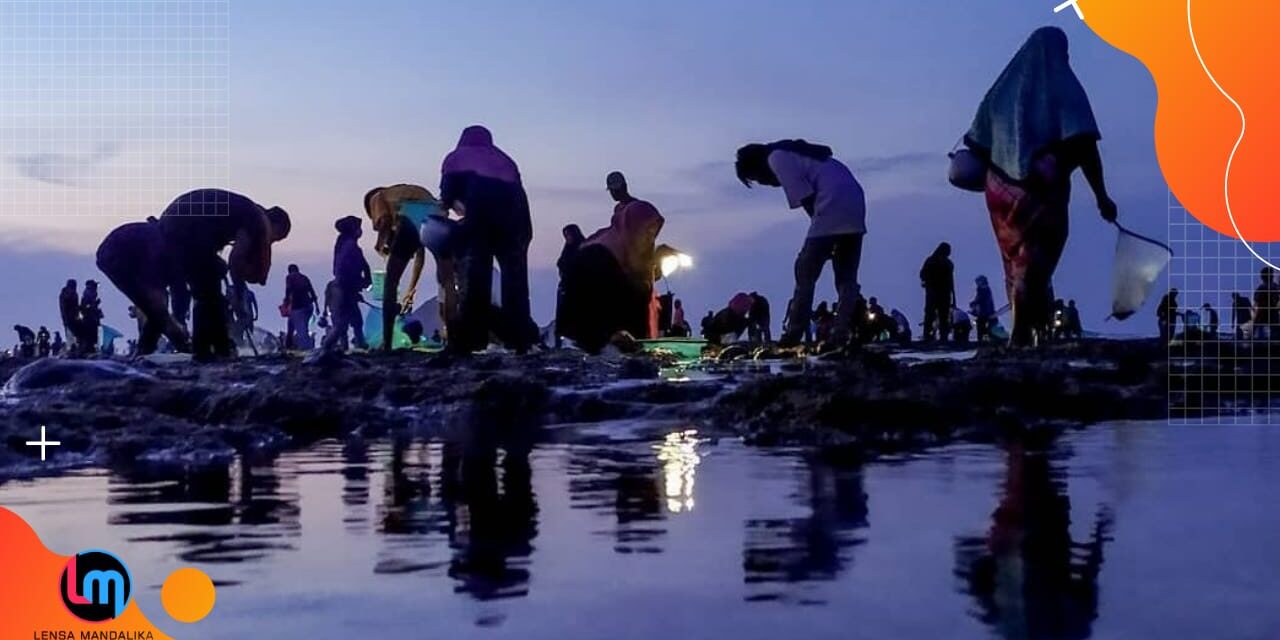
1232,379
112,107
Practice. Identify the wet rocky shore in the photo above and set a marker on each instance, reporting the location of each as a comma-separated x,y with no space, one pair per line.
185,415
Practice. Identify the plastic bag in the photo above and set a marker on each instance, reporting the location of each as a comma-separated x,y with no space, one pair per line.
1139,261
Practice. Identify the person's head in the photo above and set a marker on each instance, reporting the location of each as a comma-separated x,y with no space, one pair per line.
943,250
1071,303
616,183
349,227
90,285
677,304
293,268
280,224
572,234
71,283
1173,294
981,281
752,165
57,335
476,136
1267,274
873,300
1049,41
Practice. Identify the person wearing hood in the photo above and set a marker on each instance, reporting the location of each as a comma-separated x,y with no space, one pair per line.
352,275
573,239
1241,313
983,308
814,180
399,240
69,307
167,262
90,317
937,276
609,287
1034,128
26,341
483,184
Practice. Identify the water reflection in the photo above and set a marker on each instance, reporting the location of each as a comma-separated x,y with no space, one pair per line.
679,456
1027,576
623,484
237,514
785,559
493,521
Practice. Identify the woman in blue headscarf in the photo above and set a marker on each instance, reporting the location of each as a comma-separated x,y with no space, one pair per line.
1035,127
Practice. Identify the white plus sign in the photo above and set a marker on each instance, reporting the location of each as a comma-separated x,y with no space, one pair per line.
43,443
1074,4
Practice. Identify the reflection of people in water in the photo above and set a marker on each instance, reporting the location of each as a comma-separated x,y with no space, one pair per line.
1030,579
406,492
625,484
493,543
809,549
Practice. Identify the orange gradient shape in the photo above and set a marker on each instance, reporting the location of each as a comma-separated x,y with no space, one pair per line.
30,603
1197,127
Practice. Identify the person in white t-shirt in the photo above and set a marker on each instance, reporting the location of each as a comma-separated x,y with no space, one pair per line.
815,181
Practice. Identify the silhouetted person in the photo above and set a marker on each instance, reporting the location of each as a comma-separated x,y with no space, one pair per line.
483,184
708,322
178,257
937,277
1167,315
1211,317
814,180
399,228
878,322
69,308
90,318
1241,313
759,319
58,344
352,275
1266,304
573,239
983,308
1074,329
300,296
44,345
960,326
902,332
244,312
679,325
26,341
731,321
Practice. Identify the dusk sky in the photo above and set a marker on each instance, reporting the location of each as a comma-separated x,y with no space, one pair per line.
330,98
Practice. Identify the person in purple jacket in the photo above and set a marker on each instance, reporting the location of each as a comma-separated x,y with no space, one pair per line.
482,183
352,275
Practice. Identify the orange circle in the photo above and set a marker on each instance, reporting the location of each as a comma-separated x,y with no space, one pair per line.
188,595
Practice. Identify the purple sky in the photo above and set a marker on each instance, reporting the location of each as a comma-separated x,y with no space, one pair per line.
331,98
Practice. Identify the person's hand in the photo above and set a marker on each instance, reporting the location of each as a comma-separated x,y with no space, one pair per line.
406,303
1107,208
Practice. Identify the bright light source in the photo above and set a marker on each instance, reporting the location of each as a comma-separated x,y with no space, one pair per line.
674,262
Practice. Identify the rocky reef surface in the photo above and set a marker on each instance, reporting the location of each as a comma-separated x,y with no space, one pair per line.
184,415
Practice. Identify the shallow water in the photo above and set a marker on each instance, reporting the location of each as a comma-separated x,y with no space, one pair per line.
1123,531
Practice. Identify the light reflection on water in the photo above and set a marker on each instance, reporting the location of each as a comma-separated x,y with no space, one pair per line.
1127,531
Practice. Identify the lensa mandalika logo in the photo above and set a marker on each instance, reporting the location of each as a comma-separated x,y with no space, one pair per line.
95,586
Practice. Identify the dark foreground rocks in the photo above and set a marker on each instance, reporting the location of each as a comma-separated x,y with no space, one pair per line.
187,415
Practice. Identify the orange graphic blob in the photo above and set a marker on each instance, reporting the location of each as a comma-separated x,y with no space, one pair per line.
188,595
1213,172
30,601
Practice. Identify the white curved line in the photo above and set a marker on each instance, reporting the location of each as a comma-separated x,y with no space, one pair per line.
1226,182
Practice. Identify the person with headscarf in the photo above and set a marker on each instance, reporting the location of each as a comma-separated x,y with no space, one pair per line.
90,317
814,180
483,184
1034,128
609,285
351,275
573,239
983,308
937,276
178,256
399,240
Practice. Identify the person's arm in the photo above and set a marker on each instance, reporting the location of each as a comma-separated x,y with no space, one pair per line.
419,260
315,300
253,307
1091,165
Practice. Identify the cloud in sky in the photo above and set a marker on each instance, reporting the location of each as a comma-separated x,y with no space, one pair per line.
66,169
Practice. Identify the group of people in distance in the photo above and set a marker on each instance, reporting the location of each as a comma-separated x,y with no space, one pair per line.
1033,129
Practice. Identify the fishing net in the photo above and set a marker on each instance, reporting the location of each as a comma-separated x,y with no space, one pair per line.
1139,261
